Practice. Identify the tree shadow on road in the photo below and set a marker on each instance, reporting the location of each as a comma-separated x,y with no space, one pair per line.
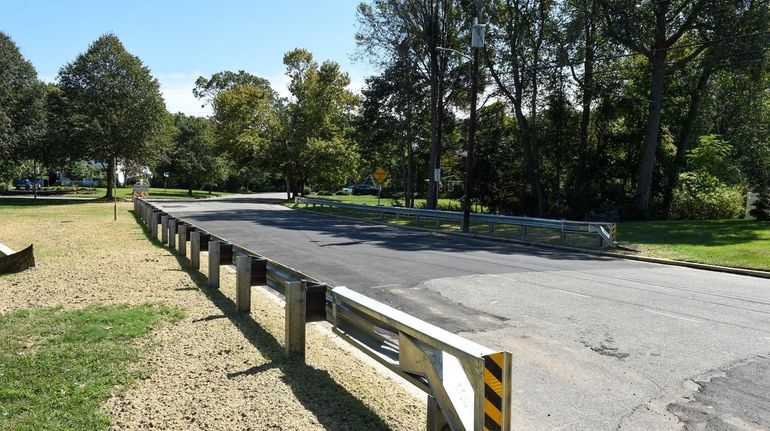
334,407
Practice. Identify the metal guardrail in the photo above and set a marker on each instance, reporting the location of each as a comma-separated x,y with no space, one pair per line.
606,232
469,385
469,382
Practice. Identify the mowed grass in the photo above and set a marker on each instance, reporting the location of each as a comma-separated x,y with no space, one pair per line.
734,243
372,200
155,193
58,366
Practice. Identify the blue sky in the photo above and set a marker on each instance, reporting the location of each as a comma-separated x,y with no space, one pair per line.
180,40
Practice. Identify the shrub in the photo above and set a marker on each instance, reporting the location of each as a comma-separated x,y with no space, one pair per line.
701,196
306,191
324,193
761,210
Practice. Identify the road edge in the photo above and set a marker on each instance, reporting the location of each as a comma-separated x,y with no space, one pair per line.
694,265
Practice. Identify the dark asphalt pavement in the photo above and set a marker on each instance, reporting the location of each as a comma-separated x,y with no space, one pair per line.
598,343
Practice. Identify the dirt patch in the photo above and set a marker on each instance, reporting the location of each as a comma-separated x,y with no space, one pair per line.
215,369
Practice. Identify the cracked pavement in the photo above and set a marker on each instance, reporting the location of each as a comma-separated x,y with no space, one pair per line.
598,343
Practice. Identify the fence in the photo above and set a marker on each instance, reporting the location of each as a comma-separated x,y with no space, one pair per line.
606,232
468,385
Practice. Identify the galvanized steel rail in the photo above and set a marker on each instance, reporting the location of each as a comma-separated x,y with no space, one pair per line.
469,385
606,232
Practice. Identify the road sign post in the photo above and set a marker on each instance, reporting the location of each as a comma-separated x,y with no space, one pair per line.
380,175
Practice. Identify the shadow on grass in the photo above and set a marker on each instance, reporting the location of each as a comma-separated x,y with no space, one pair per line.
333,406
30,202
686,232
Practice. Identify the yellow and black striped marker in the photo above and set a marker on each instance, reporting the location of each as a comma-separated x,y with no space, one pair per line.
614,232
493,392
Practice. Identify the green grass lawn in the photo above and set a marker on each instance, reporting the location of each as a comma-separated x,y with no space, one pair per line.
735,243
446,204
57,367
155,193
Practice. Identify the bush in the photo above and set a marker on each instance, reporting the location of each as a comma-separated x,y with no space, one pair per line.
761,210
324,193
306,191
701,196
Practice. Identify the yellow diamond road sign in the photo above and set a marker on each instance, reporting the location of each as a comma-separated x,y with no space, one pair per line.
380,175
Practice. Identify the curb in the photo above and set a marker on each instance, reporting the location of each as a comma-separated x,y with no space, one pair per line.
694,265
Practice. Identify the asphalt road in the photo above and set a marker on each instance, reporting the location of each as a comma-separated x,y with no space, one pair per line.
598,343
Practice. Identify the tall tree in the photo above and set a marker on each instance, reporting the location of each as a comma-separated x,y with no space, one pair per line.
321,109
22,104
116,104
194,158
520,44
207,89
416,29
653,30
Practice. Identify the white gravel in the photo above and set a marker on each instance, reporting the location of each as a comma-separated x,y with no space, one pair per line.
215,369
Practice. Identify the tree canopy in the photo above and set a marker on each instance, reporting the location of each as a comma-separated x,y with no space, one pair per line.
116,108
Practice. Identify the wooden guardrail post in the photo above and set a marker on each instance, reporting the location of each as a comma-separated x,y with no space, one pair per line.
251,271
214,264
184,235
243,284
295,320
220,253
154,218
172,222
164,228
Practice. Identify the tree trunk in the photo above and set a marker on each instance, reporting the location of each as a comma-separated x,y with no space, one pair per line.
189,189
409,180
110,177
652,132
685,137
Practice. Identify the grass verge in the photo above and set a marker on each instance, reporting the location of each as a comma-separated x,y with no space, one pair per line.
538,235
58,366
155,193
733,243
454,204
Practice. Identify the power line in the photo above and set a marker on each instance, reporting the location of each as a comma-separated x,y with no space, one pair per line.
648,52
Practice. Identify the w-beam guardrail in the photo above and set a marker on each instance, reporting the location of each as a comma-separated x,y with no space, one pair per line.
606,232
468,385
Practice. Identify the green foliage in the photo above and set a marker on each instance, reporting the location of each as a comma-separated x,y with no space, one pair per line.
248,128
208,89
701,196
58,367
330,163
195,158
116,109
715,156
761,209
22,105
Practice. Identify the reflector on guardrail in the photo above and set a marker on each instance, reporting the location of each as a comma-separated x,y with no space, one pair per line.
470,383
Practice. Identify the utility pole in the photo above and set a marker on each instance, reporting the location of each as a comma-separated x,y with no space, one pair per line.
477,42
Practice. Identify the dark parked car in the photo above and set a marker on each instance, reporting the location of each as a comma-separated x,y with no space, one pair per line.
26,183
364,189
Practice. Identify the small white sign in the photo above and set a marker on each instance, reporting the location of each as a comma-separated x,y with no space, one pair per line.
437,175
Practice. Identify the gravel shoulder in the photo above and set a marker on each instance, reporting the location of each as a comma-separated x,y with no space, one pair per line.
215,369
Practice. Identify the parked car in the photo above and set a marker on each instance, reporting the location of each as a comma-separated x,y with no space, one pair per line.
348,189
26,183
363,189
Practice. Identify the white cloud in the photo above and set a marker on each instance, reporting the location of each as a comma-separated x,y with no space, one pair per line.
177,92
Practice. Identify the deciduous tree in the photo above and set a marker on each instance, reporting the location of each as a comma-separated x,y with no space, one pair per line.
116,106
